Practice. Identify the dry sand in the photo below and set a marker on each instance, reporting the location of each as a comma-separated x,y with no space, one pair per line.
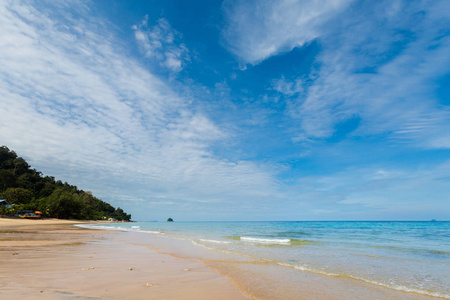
49,259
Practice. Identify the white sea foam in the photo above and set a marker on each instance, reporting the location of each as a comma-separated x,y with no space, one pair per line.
100,227
225,251
151,231
214,241
82,226
210,248
265,241
307,269
402,288
133,228
390,286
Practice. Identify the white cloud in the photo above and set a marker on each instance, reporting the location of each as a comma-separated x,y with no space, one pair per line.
257,30
162,43
377,62
77,108
387,80
287,87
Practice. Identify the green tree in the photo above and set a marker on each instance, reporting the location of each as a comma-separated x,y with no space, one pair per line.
20,166
17,195
27,181
44,189
88,201
7,157
29,189
121,215
7,179
3,210
64,204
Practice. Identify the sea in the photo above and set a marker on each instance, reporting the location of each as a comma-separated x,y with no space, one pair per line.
412,257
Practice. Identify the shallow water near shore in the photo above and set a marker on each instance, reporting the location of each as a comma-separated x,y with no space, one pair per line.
411,257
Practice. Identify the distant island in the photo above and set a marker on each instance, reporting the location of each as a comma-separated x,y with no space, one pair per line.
169,220
26,192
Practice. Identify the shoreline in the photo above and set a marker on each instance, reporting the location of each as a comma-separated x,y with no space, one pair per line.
52,259
260,278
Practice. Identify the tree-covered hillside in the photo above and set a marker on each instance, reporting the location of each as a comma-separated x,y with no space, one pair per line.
28,189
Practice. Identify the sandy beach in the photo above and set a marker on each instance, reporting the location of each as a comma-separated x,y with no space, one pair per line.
51,259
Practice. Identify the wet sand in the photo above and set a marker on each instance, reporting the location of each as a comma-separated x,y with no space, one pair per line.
50,259
266,280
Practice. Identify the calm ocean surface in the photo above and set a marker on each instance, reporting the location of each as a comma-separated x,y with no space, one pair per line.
406,256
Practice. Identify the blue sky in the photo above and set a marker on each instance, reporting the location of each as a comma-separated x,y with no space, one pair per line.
235,110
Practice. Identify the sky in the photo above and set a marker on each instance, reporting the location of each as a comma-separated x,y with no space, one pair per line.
234,110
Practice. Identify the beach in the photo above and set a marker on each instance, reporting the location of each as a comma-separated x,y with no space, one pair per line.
52,259
58,259
227,149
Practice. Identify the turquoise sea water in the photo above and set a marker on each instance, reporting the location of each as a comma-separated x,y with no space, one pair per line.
406,256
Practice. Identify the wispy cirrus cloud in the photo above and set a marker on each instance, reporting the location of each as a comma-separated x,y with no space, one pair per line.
256,30
387,79
287,87
368,95
78,108
162,43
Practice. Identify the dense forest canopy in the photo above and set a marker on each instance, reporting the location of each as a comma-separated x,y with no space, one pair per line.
28,189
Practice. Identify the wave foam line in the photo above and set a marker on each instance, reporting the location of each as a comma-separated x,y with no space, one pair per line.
265,241
402,288
214,241
389,286
226,251
150,231
100,227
